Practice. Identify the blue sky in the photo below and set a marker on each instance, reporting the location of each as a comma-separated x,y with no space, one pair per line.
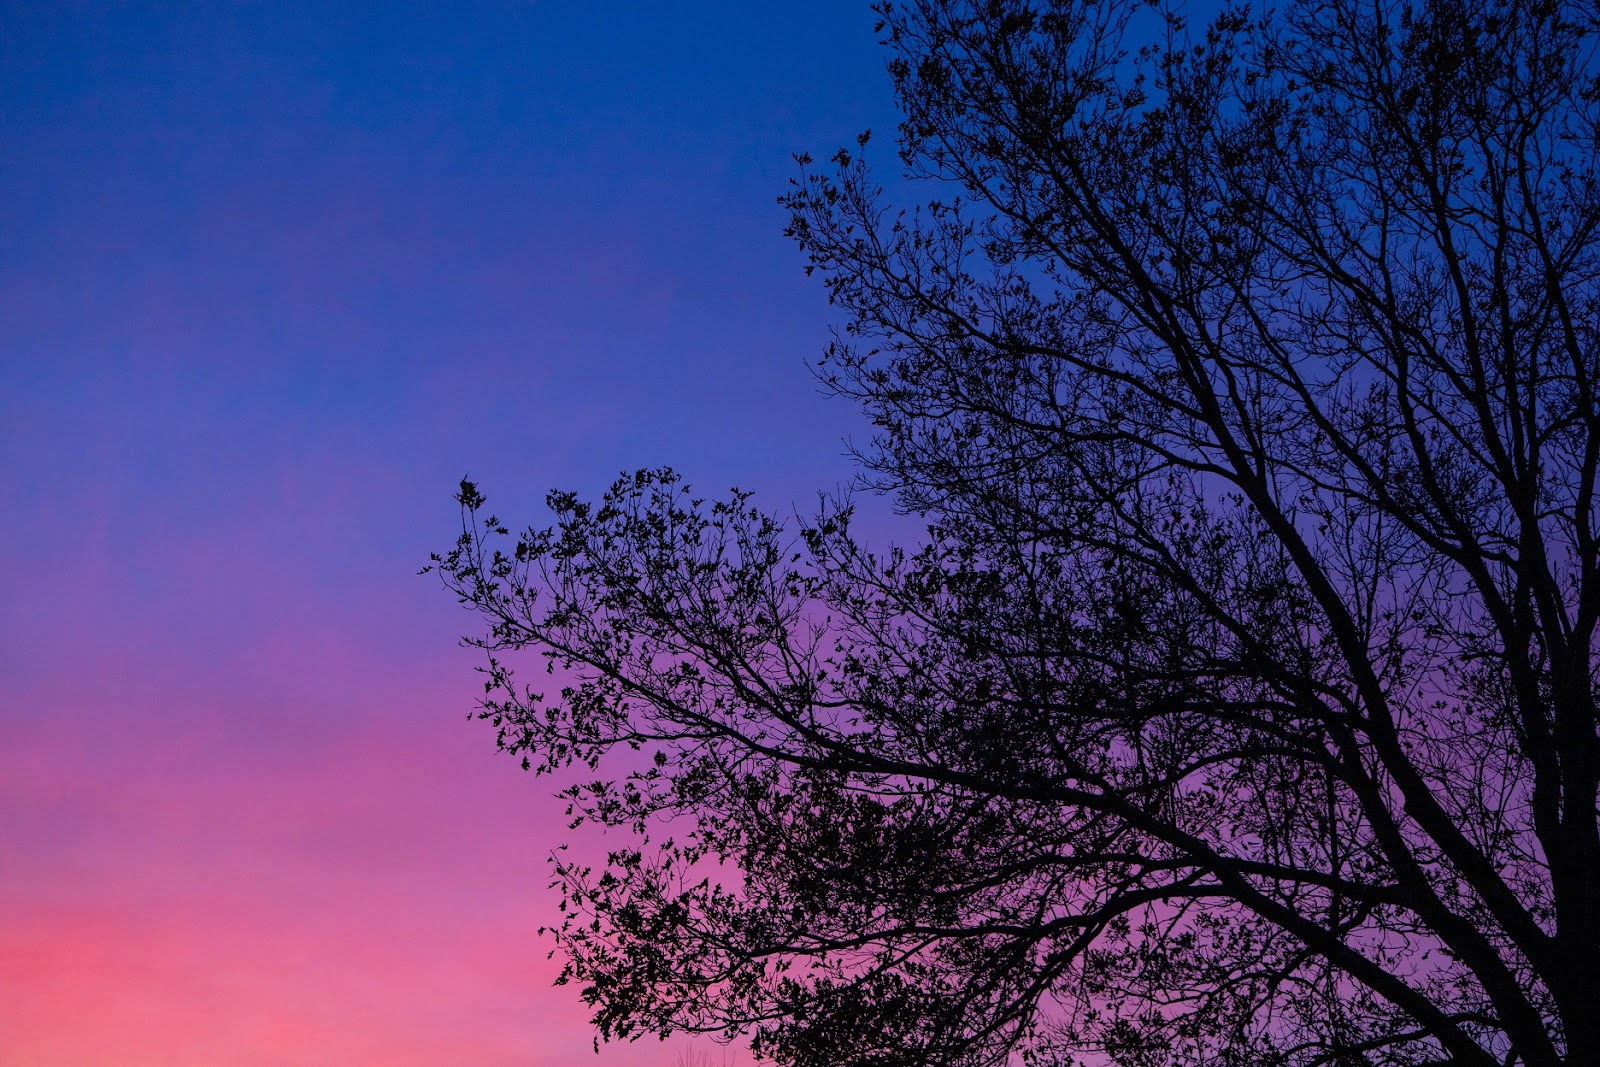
272,278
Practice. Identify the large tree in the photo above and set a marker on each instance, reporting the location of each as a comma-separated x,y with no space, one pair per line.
1240,704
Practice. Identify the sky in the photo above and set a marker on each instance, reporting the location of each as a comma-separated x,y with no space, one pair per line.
273,278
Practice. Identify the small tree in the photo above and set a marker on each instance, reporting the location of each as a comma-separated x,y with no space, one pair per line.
1241,705
697,1057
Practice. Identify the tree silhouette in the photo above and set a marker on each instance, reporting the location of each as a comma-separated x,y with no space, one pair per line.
1240,705
697,1057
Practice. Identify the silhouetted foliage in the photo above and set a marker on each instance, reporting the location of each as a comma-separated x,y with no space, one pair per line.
1240,706
698,1057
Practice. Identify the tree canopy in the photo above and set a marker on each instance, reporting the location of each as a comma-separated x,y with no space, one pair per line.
1239,705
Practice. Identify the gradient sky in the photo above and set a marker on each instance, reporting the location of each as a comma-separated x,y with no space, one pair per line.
273,277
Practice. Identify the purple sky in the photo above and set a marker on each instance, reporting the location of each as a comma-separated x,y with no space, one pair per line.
273,277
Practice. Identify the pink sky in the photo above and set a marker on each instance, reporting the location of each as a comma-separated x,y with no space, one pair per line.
272,279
